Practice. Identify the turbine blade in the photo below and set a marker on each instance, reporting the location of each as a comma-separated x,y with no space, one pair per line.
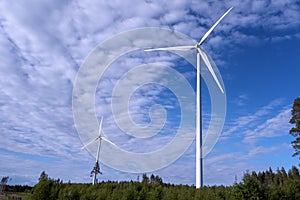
214,26
176,48
207,63
90,142
107,140
100,126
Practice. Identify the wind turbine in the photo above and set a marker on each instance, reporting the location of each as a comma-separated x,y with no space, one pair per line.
200,54
100,137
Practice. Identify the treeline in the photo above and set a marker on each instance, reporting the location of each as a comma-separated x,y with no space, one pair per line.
18,188
269,185
263,185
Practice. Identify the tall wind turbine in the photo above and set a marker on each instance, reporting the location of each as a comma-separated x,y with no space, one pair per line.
200,55
100,137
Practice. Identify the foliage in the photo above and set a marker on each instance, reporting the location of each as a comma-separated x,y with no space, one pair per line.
43,176
47,188
269,185
3,183
295,131
262,185
18,188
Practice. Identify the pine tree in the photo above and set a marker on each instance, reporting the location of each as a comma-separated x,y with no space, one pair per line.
294,173
43,176
295,131
278,179
284,174
145,178
261,176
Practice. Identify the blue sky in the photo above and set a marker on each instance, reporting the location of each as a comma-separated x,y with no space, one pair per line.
43,45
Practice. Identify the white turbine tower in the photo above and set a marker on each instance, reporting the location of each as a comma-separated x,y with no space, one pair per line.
200,54
100,137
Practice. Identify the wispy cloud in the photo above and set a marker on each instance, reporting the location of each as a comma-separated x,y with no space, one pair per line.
273,127
249,121
262,150
241,100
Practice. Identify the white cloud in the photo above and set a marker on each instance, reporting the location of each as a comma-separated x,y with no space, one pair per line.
273,127
241,100
262,150
252,120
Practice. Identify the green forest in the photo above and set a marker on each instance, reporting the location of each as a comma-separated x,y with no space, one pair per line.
263,185
269,184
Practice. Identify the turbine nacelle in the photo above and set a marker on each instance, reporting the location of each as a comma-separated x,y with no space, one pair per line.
100,137
199,50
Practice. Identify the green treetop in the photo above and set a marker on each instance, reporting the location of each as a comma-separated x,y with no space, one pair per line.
295,131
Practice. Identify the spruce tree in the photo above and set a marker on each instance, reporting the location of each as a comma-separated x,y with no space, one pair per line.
295,131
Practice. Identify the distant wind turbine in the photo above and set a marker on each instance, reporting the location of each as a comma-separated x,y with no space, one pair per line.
200,54
100,137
